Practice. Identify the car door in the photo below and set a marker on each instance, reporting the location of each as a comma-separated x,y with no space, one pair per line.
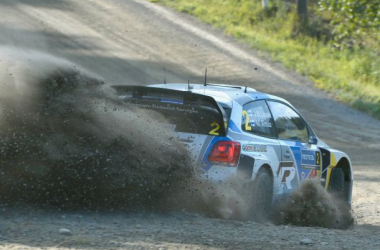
259,135
300,159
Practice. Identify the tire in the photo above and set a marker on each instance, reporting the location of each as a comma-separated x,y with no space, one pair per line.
262,196
336,185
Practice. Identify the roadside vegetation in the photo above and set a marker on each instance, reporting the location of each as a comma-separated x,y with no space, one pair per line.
336,44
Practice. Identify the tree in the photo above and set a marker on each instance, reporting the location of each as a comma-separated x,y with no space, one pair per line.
353,18
302,16
265,4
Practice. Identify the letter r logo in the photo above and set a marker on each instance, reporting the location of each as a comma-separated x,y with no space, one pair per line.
286,175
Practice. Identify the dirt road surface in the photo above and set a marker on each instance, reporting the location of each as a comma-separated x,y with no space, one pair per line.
131,42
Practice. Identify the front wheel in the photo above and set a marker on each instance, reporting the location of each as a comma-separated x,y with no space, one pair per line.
336,185
262,195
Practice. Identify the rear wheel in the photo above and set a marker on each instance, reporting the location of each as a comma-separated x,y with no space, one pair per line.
336,185
262,195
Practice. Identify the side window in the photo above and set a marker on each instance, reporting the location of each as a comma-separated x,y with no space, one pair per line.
256,119
289,124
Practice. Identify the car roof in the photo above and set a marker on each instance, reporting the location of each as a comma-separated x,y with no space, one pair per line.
222,93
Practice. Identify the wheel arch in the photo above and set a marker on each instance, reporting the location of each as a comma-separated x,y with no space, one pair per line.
264,171
266,167
345,164
332,158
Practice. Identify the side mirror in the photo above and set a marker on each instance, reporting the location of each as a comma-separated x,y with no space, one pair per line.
313,140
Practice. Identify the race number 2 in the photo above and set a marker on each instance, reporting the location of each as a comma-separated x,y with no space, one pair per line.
214,131
247,126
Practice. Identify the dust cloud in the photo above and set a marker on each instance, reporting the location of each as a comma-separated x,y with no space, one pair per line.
226,200
311,205
67,141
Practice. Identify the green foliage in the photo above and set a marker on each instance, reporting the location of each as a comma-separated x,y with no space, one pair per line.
353,75
352,19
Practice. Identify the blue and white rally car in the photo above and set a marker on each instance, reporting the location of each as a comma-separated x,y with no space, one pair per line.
237,131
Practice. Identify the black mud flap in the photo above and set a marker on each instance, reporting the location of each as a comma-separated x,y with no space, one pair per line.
245,167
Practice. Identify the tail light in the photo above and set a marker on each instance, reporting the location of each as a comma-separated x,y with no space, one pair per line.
225,152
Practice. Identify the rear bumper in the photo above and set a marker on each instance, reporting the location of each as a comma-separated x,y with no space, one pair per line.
218,173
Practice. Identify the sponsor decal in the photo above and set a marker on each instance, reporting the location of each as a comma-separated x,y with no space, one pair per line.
260,148
313,174
310,160
165,106
310,167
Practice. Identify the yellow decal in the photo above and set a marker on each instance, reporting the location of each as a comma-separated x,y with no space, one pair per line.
318,162
214,131
247,126
329,170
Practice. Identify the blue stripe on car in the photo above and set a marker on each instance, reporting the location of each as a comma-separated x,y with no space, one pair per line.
233,127
171,101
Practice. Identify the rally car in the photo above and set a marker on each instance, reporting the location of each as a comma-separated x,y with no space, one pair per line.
238,131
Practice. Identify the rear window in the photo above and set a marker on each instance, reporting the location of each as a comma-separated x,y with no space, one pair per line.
187,118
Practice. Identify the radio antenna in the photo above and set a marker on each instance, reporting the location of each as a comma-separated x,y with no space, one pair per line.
205,78
188,84
164,75
245,90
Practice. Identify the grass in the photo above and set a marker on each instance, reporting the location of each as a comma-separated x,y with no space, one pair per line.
352,75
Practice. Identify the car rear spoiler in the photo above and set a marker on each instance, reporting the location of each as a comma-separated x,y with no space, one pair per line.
134,93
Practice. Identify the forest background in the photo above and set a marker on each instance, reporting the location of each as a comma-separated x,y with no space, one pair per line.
335,43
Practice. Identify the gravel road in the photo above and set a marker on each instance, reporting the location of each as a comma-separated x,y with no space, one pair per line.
131,42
